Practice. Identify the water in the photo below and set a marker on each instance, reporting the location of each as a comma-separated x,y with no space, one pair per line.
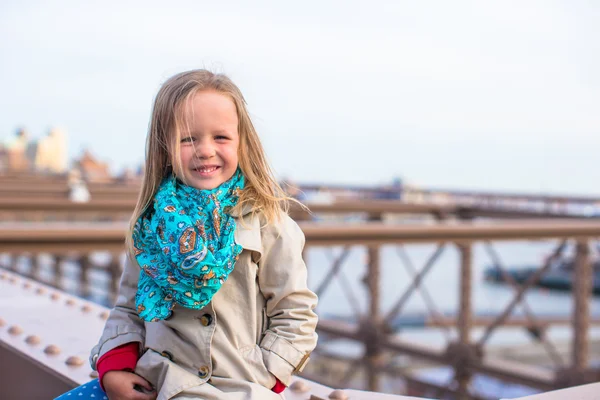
442,283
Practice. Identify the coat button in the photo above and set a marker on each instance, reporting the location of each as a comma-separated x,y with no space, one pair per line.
203,372
206,319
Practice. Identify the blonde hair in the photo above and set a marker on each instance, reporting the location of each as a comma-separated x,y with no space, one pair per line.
261,194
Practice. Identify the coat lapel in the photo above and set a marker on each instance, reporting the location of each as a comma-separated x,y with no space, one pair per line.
247,235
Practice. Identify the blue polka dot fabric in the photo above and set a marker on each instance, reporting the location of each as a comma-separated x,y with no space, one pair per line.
90,390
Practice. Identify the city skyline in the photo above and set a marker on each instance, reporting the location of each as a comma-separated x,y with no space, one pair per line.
486,96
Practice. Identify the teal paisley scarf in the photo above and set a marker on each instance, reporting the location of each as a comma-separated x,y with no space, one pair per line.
185,246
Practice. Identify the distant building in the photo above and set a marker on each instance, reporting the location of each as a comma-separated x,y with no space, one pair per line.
130,175
50,154
22,155
16,153
91,169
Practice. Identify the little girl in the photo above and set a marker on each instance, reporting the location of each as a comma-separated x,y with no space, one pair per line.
213,302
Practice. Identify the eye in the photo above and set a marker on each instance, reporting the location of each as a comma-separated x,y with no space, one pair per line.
188,139
221,137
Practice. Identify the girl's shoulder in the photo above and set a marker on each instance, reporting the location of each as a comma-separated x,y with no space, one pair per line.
283,227
255,232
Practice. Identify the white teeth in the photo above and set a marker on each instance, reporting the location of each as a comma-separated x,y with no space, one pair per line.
207,169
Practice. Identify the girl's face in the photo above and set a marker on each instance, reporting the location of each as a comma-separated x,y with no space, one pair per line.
209,149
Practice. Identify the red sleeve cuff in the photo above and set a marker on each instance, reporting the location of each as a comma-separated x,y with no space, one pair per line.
118,359
279,387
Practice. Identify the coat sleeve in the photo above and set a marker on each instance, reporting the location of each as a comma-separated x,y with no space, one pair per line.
290,305
123,324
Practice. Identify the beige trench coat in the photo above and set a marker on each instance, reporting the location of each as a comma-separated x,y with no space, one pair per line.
258,326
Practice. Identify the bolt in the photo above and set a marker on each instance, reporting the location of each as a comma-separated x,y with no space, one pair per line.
300,387
52,350
74,361
338,395
33,340
15,330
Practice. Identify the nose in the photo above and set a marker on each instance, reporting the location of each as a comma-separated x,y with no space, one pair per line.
205,150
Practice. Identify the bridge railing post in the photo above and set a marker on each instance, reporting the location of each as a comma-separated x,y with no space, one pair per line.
114,270
372,345
581,318
465,315
372,323
58,272
85,267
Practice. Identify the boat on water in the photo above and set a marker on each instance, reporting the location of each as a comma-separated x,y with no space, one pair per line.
560,276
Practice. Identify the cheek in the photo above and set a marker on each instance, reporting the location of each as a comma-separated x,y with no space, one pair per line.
231,152
185,160
186,154
234,158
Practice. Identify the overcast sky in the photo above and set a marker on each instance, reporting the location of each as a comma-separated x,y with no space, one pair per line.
500,95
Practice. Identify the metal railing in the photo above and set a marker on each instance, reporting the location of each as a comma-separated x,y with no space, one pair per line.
373,329
28,208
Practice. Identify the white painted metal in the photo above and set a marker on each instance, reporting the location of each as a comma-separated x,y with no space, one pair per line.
584,392
71,324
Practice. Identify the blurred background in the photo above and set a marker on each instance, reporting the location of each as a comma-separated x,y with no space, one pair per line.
446,121
483,95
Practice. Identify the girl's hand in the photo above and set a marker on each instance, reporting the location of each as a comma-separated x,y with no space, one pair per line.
123,385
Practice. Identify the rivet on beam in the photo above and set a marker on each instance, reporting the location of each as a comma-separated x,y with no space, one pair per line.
300,387
104,315
40,290
2,276
338,395
33,340
26,285
86,308
74,361
15,330
70,302
52,350
2,322
94,374
12,279
55,296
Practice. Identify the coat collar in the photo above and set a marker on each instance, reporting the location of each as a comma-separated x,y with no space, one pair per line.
247,233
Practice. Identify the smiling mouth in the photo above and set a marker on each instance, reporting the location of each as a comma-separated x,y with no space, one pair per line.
206,170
